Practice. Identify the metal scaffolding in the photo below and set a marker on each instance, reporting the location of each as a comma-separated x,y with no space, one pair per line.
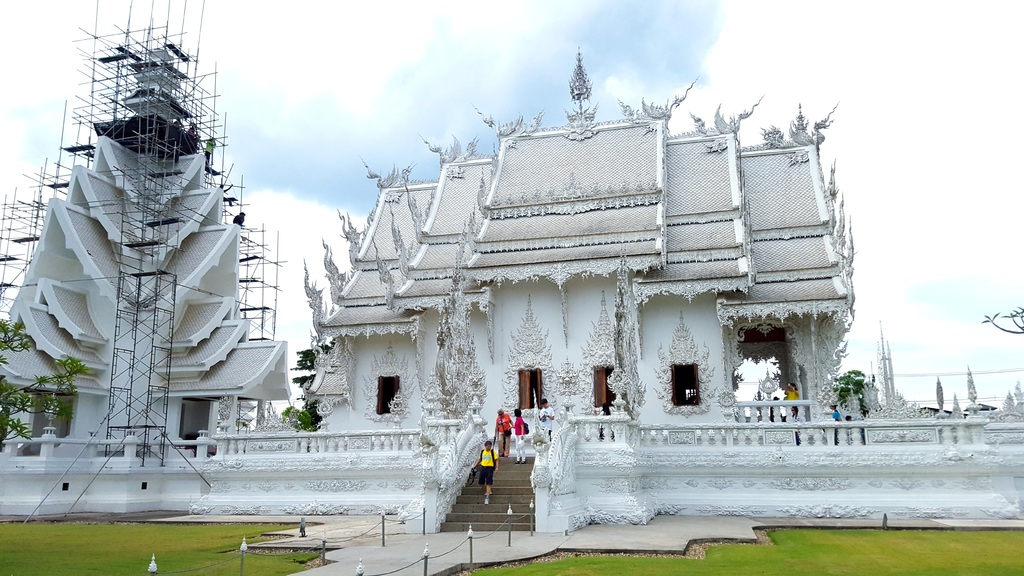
146,95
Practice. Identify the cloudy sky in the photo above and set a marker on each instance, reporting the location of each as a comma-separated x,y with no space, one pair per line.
928,113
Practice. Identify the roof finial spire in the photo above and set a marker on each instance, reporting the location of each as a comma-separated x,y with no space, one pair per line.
579,83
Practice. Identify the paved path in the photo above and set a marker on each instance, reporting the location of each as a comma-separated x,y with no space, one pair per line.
351,539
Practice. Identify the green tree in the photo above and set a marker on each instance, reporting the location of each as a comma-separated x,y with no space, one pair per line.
48,394
849,388
306,418
1016,317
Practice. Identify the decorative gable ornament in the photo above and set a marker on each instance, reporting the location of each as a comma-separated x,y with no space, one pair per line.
530,351
684,351
390,365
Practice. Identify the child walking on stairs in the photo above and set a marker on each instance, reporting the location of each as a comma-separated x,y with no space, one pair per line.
488,465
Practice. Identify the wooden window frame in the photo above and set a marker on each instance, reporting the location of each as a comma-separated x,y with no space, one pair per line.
602,392
685,385
530,380
387,391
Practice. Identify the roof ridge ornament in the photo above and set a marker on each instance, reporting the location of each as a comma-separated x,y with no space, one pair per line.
798,128
452,152
393,179
579,83
581,120
652,111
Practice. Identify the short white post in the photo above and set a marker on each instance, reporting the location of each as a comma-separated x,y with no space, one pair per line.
152,565
359,568
242,549
470,536
509,514
426,556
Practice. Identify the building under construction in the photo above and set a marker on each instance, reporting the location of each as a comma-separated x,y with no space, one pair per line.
131,253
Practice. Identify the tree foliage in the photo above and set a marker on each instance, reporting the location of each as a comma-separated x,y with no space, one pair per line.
850,389
49,394
306,418
1016,317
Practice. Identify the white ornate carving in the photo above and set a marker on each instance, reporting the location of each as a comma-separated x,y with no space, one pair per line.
529,351
731,510
811,484
335,485
625,380
599,351
684,351
828,511
902,436
460,380
316,509
389,365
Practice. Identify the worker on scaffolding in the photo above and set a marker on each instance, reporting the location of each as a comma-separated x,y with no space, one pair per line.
208,151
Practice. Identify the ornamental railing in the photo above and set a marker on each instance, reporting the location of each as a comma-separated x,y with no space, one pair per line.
821,434
289,442
773,411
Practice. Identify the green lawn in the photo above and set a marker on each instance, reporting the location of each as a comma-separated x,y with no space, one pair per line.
125,549
817,552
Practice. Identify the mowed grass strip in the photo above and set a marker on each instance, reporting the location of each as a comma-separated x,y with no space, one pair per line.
125,549
818,552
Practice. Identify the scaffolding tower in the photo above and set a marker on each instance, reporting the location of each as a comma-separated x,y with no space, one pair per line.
145,94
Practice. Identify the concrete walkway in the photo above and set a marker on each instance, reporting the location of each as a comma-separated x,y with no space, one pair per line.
351,539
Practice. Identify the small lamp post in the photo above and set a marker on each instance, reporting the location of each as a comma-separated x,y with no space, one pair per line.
242,549
152,565
426,557
509,514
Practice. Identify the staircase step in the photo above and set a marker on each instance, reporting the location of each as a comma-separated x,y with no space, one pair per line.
496,498
504,489
482,529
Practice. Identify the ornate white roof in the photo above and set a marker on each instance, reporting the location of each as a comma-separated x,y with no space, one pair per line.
693,213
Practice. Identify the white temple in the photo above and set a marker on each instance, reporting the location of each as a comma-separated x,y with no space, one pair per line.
586,263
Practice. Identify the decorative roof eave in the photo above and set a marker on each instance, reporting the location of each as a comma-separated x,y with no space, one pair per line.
82,327
709,255
728,313
797,275
556,243
561,272
264,380
49,338
599,199
219,309
410,327
689,289
703,218
102,266
818,230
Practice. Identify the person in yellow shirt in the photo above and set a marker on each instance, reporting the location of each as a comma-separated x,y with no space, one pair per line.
792,393
487,464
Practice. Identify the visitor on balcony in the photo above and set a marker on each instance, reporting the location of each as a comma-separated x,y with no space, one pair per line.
796,418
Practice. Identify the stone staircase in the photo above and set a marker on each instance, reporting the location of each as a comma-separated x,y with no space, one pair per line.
511,486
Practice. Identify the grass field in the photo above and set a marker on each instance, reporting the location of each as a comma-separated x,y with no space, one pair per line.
125,549
211,550
818,552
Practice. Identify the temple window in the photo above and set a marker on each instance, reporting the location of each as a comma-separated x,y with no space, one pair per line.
602,392
530,383
387,389
685,391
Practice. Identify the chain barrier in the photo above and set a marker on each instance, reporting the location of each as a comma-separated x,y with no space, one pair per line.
460,545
